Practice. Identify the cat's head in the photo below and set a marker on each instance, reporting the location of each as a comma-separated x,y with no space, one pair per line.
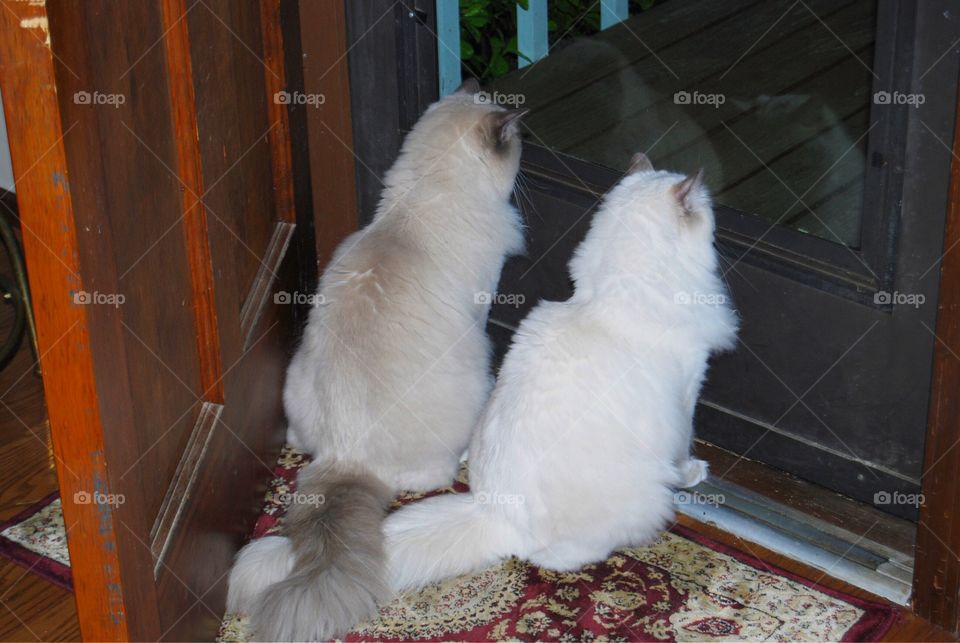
469,141
673,211
654,225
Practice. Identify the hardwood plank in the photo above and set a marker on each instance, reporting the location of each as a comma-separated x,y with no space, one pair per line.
34,609
837,213
814,169
559,75
682,65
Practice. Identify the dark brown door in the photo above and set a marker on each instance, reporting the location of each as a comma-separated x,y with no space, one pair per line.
154,177
830,174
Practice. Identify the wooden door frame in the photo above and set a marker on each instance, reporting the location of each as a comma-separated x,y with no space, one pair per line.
936,580
46,209
79,344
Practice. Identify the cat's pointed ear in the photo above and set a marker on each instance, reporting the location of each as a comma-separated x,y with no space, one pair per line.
468,86
686,187
640,163
504,125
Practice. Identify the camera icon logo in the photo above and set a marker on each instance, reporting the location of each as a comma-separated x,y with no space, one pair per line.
881,498
82,98
882,98
682,98
281,98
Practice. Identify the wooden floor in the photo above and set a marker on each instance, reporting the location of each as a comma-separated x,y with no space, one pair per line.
31,608
757,93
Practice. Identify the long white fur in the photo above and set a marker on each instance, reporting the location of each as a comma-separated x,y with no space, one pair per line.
263,562
394,367
588,430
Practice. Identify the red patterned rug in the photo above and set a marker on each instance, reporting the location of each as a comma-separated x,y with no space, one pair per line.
684,587
36,539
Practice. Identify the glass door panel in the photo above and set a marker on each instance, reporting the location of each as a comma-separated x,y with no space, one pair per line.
771,99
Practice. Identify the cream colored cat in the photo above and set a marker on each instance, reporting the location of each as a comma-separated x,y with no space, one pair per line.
393,371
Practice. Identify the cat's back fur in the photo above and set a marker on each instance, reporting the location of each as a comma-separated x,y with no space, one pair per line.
394,365
588,431
393,369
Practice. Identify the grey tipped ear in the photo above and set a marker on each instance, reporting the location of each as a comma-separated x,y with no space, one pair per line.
686,187
507,123
640,163
468,86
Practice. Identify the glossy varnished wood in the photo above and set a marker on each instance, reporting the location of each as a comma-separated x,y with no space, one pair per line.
329,125
937,578
181,198
46,201
196,233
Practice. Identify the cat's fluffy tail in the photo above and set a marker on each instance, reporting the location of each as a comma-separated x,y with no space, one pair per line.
445,536
329,573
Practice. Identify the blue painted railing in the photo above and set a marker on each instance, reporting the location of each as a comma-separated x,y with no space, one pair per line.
532,36
448,45
532,42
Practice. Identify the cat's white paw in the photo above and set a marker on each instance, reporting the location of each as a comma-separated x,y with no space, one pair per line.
693,472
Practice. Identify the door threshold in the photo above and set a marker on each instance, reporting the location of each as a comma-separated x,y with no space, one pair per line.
853,558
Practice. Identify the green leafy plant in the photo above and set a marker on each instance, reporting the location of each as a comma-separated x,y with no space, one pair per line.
488,30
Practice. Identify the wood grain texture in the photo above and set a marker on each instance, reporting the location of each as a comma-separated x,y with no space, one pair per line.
192,135
28,77
259,297
333,166
180,491
176,43
937,575
277,110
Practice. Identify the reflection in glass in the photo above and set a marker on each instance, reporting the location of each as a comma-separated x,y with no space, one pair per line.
771,98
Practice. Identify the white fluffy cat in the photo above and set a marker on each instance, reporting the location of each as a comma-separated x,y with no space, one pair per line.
393,370
589,428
